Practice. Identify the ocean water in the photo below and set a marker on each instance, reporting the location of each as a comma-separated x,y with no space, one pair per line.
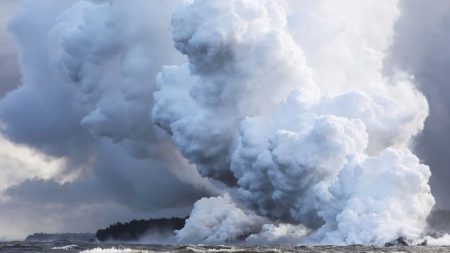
67,247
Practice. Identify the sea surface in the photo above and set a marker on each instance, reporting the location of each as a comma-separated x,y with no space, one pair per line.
66,247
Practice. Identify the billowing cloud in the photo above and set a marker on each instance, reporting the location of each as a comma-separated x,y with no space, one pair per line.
85,101
420,46
323,144
298,116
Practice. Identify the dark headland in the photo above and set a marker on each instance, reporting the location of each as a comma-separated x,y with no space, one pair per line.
136,229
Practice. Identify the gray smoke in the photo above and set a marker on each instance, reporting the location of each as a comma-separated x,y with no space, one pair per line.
85,101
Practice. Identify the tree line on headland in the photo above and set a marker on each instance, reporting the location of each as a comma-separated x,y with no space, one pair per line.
135,229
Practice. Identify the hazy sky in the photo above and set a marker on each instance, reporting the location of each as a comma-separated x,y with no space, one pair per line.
8,54
67,155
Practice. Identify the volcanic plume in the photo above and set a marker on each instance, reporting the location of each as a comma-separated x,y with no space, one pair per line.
302,128
279,121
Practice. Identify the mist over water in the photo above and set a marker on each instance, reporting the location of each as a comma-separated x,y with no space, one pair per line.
276,122
145,248
59,247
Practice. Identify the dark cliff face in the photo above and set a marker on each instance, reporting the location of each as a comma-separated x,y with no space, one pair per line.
135,229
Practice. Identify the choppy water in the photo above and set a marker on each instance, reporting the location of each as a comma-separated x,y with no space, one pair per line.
67,247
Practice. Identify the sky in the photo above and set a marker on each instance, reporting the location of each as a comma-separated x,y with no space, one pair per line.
10,72
80,149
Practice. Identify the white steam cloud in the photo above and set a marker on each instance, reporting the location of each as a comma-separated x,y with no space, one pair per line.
286,108
303,127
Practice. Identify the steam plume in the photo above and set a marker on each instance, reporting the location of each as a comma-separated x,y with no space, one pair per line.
287,107
300,132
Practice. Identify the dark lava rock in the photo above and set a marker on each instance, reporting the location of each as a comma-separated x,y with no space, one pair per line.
401,241
424,243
